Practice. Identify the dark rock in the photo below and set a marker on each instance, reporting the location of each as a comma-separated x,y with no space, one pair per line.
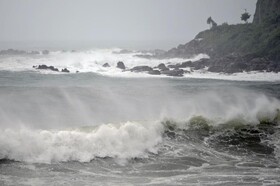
42,67
154,72
234,64
45,52
162,67
265,10
174,66
141,69
53,69
198,64
215,69
186,64
235,68
65,70
106,65
77,71
273,67
45,67
202,63
165,69
258,64
121,65
174,72
228,64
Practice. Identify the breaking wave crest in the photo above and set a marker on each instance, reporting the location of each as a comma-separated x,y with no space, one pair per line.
138,139
127,140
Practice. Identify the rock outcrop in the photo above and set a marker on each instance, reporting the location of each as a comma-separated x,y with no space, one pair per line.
154,72
45,67
52,68
106,65
121,65
141,69
65,70
162,67
174,72
265,10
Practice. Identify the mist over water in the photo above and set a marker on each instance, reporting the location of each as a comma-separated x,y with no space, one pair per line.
59,101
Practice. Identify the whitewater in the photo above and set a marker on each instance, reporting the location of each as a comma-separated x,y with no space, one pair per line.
104,126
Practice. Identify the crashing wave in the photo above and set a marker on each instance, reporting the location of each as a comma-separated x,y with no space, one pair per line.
136,139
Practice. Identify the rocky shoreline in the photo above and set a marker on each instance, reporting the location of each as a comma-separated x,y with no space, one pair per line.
235,63
229,65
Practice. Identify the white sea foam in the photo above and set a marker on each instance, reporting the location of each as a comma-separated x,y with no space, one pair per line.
83,61
242,76
92,61
127,140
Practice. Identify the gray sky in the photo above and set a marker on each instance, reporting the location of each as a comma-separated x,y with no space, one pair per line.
111,23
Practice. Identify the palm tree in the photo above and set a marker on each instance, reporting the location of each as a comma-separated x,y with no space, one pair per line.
212,22
245,16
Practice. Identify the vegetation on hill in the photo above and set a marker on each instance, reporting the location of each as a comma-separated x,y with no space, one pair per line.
259,39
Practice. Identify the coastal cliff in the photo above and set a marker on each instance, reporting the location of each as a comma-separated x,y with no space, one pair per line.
265,9
251,43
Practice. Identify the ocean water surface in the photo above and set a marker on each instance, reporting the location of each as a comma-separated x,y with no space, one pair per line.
103,126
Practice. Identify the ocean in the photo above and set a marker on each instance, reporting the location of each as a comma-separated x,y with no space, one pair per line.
102,126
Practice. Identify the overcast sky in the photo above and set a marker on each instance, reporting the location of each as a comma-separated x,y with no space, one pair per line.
112,23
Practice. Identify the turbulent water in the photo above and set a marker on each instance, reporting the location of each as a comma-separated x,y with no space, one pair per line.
102,126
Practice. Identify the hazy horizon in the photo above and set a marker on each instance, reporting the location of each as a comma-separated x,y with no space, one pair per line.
145,24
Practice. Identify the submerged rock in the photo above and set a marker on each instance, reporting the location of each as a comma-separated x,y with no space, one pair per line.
162,67
45,67
53,68
174,72
141,69
174,66
65,70
186,64
121,65
106,65
154,72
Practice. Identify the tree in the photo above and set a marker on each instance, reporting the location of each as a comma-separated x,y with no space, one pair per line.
245,16
212,22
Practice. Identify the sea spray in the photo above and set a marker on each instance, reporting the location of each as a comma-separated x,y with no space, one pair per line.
120,141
